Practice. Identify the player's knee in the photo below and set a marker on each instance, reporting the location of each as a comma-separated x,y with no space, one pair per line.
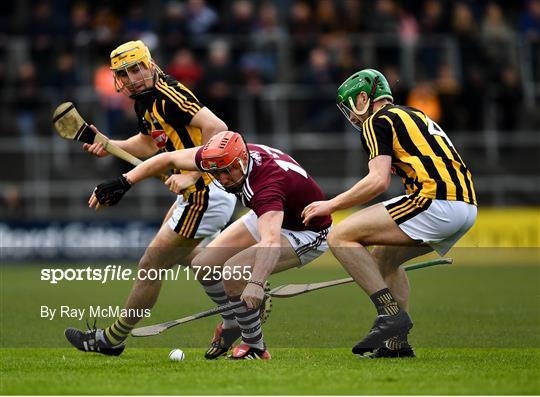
338,237
333,238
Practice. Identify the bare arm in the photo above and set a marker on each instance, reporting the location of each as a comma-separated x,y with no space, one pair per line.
209,123
369,187
139,145
180,159
266,257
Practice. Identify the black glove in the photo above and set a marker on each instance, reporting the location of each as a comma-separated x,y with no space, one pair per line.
111,192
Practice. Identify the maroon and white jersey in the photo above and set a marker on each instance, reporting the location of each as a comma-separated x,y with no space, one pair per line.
276,182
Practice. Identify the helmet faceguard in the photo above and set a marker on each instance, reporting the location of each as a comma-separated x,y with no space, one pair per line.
133,68
373,84
226,152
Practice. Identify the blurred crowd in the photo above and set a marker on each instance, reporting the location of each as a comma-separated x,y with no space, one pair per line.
465,55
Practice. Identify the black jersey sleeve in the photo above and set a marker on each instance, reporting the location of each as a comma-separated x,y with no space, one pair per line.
144,127
377,137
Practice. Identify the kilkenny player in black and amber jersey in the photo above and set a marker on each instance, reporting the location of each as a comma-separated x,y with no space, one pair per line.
439,206
170,118
422,155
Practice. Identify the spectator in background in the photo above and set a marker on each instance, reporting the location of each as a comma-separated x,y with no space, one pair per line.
252,68
529,22
473,66
326,17
185,68
408,26
267,24
65,76
267,32
473,99
113,102
240,24
497,36
42,33
106,30
253,79
466,30
433,21
385,19
27,102
220,82
449,92
242,20
319,74
200,18
137,26
529,26
79,29
172,28
423,96
354,16
508,100
319,71
136,23
301,30
343,54
11,204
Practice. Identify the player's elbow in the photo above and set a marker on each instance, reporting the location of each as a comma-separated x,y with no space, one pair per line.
379,183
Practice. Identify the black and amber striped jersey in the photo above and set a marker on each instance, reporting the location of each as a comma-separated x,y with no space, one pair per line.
422,154
170,106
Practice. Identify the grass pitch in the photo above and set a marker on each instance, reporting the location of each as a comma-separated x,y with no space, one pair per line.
291,371
477,331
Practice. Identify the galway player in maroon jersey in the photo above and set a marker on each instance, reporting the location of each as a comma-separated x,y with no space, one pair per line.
268,239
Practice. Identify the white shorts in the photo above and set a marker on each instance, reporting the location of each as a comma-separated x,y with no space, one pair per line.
438,223
203,214
307,244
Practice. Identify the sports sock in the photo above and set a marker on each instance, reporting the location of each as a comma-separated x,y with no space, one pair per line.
216,292
385,303
117,333
250,325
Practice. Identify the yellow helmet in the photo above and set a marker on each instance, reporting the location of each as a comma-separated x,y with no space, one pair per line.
130,53
129,76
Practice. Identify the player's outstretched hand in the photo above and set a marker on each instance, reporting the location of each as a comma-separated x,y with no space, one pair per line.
97,148
178,182
109,193
253,295
315,209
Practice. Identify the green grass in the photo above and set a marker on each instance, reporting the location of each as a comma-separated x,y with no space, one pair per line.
477,331
291,371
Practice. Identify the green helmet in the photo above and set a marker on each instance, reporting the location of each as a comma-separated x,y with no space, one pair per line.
370,81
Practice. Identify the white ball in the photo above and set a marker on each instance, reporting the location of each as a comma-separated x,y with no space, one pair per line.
177,355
